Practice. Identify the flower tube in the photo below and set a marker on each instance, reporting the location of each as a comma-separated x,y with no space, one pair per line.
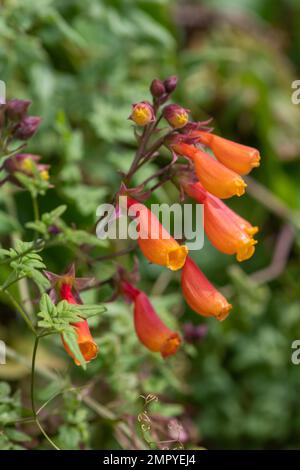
215,177
86,343
239,158
226,230
156,244
201,295
150,329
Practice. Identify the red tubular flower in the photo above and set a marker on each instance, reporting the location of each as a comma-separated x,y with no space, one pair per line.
156,244
150,329
215,177
87,345
239,158
201,295
226,230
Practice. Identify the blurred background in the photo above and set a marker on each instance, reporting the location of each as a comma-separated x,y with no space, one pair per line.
83,63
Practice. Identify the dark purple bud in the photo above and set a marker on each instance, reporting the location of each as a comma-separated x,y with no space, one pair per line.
27,127
157,88
16,109
54,230
171,83
194,333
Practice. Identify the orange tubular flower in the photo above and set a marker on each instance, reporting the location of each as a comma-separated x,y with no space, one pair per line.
226,230
201,295
156,244
215,177
87,345
150,329
239,158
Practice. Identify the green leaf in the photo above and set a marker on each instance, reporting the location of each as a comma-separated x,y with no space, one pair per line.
59,317
16,435
90,310
70,338
34,184
48,219
26,262
4,390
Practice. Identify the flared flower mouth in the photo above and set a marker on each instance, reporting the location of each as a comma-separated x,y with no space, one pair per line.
256,159
251,230
224,312
89,350
240,186
176,258
246,250
171,345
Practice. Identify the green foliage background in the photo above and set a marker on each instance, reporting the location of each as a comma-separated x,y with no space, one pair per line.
83,63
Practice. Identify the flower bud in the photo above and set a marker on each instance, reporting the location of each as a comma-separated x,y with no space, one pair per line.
176,116
16,109
142,113
27,127
157,88
25,163
22,162
171,83
54,229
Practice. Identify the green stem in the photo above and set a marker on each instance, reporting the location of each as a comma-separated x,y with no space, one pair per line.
35,347
9,282
35,206
141,149
19,309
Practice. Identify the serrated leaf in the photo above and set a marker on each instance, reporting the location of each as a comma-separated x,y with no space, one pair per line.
59,317
28,263
90,310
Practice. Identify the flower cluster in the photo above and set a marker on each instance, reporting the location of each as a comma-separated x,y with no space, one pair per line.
193,171
207,179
